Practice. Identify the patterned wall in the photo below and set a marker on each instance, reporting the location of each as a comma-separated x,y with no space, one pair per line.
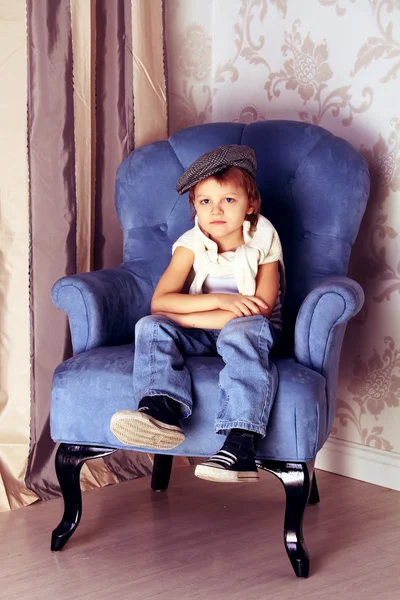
335,63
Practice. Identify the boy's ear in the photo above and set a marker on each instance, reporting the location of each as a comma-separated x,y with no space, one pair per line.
250,210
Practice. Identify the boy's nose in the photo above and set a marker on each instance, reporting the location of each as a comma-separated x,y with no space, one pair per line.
216,209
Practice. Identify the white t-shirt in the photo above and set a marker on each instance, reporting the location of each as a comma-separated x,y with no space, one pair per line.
226,284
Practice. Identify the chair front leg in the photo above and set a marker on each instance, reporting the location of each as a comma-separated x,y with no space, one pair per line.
69,462
296,479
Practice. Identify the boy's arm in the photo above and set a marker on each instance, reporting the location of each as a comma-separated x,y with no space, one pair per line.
168,297
209,319
267,288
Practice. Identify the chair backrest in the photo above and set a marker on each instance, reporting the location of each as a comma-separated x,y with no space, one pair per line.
314,188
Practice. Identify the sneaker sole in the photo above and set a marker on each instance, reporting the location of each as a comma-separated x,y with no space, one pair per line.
138,429
224,475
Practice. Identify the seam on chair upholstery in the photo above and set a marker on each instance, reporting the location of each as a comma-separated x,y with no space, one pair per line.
309,329
241,135
295,432
317,438
325,135
334,324
245,126
172,208
321,139
86,310
173,150
178,196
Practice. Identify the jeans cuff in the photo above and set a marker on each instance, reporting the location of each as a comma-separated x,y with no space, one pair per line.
185,409
225,426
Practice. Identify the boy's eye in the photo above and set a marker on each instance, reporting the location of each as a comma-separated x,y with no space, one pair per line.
204,201
229,200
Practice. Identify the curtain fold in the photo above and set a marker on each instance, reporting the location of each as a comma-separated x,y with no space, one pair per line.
83,30
149,72
114,121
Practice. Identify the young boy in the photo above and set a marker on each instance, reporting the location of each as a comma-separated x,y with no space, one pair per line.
232,259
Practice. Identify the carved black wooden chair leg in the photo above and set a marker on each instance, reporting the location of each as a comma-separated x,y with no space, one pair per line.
69,462
296,478
314,495
161,472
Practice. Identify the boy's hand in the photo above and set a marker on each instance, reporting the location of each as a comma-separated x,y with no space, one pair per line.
241,306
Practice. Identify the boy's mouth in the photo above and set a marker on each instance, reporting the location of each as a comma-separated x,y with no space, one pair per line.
217,222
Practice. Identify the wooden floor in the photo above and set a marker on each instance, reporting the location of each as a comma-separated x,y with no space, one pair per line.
205,541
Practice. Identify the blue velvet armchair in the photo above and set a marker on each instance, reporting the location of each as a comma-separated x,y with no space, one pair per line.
314,188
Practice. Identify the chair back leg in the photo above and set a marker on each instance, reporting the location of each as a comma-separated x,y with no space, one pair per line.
161,472
314,495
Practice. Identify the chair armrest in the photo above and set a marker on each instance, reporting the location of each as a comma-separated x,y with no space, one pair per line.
104,306
320,327
329,304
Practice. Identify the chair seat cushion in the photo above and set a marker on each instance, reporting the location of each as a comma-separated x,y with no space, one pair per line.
90,387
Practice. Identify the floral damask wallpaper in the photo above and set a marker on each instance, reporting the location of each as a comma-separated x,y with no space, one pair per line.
335,63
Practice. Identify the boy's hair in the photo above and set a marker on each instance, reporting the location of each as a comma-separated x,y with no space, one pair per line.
241,178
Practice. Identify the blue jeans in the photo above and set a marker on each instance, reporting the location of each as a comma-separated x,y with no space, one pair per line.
247,382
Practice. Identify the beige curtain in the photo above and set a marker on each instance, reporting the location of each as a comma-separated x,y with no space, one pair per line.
96,88
14,259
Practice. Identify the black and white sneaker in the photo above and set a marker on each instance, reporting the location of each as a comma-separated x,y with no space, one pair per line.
155,424
234,463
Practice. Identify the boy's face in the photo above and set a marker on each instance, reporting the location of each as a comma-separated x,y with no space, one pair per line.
221,209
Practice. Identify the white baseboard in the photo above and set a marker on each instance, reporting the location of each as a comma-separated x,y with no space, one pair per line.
360,462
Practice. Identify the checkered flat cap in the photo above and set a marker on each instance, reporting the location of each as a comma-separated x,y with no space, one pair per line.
232,155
